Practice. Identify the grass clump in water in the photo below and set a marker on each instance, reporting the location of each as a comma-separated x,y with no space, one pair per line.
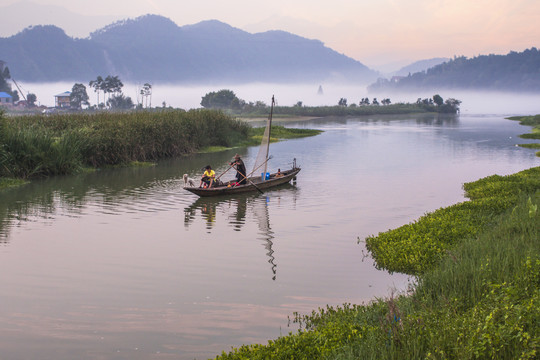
533,121
9,182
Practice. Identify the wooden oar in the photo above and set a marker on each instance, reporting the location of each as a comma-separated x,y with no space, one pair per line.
223,173
251,182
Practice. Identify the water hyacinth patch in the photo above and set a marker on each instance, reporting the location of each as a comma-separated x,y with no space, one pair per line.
417,247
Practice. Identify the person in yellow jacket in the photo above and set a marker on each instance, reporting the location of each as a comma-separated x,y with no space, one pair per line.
208,177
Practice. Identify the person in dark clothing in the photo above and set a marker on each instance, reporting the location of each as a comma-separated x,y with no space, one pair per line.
238,164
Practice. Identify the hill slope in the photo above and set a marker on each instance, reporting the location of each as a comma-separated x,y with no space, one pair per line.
153,48
420,65
514,72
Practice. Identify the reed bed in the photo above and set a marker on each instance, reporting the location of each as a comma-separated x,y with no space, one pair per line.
40,145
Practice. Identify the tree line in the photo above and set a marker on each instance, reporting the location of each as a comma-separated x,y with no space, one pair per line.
227,100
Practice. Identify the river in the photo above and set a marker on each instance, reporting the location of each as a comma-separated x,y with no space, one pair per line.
125,264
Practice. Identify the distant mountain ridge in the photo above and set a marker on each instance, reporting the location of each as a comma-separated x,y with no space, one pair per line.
420,65
153,48
516,71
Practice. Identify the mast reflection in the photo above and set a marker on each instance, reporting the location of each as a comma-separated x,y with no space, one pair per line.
260,210
236,210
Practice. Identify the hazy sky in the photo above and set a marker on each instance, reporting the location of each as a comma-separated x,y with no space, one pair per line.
374,32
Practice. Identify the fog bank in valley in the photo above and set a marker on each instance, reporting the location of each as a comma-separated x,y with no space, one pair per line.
189,97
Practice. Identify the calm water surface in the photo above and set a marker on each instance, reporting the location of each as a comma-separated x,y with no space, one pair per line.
125,264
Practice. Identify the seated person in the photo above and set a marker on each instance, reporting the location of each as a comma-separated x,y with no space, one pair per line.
208,177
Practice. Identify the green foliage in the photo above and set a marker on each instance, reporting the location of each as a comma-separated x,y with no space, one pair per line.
438,100
5,86
477,291
35,153
78,96
223,99
120,102
480,302
419,246
281,132
533,121
322,111
10,182
39,145
31,98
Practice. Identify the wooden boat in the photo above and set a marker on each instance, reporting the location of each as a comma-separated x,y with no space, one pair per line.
254,183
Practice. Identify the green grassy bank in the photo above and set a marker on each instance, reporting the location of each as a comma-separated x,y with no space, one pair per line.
322,111
477,292
40,146
533,121
37,146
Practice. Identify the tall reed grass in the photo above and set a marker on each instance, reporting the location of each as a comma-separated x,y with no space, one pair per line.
42,145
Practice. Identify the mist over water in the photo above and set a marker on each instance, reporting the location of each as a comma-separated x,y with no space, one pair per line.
189,96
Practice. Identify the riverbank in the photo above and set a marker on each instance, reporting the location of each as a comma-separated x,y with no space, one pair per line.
476,294
41,146
476,298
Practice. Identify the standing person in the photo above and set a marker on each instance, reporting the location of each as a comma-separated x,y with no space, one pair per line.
240,170
208,176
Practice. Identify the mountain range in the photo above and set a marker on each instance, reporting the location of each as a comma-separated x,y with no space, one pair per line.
515,71
153,48
419,66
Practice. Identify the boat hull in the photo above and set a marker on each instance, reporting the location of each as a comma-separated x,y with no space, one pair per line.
249,187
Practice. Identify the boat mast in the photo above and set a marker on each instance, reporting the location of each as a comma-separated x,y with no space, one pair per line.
269,124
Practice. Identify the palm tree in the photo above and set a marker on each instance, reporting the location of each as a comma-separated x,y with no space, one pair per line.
146,92
98,86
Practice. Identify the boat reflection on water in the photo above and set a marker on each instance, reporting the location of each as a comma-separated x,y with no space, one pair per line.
236,211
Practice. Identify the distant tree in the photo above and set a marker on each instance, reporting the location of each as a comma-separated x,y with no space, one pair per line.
223,99
5,86
386,101
97,85
120,102
450,106
31,99
298,104
342,102
375,102
112,86
6,74
364,101
146,93
78,96
438,100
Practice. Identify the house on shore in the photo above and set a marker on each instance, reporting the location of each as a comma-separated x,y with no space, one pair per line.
61,101
5,99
